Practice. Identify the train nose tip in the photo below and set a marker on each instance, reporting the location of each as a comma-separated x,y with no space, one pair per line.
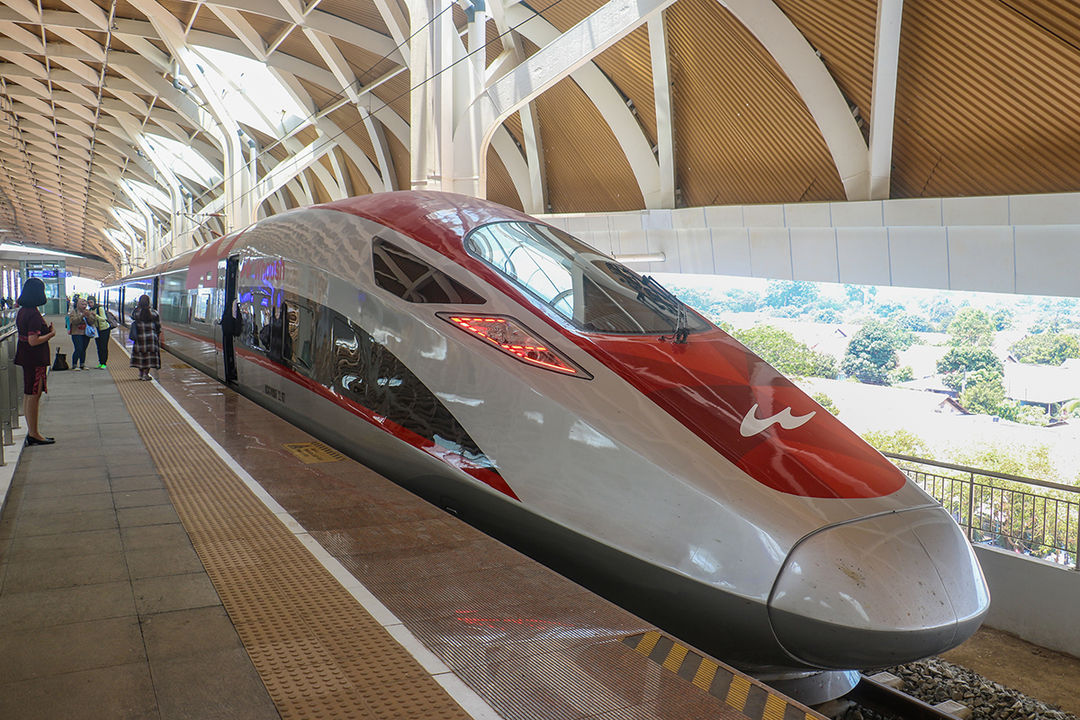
879,591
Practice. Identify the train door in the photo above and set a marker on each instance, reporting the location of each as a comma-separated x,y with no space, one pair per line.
154,295
231,322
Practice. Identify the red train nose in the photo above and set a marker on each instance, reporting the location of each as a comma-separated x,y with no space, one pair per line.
879,591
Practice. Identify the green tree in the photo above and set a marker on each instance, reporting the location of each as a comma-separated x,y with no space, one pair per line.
859,294
826,402
1047,348
941,312
1002,319
736,300
899,442
784,293
871,353
780,349
971,327
959,364
985,395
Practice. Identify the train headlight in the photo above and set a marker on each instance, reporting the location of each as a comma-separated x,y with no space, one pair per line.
517,341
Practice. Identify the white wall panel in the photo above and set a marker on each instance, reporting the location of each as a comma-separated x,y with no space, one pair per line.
731,251
696,251
919,257
757,216
807,215
667,242
916,211
656,219
957,243
981,258
813,254
856,214
975,211
770,253
688,218
726,216
1062,209
1048,260
625,221
863,255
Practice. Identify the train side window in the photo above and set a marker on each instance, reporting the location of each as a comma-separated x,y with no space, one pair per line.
371,375
412,279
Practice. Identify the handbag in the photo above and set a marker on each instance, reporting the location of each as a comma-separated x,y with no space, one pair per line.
91,331
131,332
60,363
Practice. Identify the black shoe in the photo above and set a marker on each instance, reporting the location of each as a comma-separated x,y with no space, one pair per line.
31,440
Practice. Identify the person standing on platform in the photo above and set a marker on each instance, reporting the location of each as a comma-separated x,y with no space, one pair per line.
32,353
146,345
78,319
97,312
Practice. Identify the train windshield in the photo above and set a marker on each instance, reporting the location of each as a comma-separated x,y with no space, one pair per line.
588,289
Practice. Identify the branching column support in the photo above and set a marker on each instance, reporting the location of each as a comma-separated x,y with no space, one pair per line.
883,103
238,212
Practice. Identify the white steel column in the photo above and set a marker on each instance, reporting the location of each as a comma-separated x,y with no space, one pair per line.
665,134
883,103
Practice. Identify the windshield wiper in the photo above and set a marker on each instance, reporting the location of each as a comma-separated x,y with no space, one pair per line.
682,326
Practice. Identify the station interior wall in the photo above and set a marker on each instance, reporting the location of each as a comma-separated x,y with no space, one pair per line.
1026,244
1032,599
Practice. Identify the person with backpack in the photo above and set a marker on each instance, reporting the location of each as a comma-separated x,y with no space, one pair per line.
32,353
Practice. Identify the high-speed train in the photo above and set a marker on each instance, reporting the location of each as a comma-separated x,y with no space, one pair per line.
504,370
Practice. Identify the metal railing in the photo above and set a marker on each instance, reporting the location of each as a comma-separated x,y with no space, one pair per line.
10,391
1033,517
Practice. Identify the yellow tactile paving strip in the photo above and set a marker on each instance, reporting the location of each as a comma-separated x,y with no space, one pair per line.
318,652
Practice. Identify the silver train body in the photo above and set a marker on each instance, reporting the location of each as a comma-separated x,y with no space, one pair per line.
501,369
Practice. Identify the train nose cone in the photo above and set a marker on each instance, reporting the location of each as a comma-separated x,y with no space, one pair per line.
879,591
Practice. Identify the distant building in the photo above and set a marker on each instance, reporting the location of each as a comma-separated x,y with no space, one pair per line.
1045,386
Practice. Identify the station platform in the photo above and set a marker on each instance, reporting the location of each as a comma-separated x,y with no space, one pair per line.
181,552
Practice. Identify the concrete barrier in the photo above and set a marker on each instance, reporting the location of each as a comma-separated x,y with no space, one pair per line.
1033,599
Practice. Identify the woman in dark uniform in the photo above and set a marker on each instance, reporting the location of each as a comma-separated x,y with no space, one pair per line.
32,353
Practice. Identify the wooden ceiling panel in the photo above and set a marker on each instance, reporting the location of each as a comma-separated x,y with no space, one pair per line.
843,31
395,93
587,171
500,188
992,94
629,65
742,134
361,12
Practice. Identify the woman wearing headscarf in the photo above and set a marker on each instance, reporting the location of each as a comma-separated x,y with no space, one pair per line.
32,352
97,313
146,343
78,319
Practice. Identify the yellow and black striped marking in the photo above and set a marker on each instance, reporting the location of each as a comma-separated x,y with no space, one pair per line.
749,697
313,452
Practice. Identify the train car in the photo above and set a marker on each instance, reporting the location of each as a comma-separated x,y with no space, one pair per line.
502,369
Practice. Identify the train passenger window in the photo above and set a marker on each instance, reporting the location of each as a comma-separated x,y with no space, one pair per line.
202,305
173,305
586,288
409,277
370,375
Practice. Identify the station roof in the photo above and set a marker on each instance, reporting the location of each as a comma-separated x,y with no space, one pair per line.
108,131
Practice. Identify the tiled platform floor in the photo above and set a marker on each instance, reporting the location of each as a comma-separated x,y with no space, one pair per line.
105,611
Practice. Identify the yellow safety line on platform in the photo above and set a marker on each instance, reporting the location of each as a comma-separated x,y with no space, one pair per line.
720,681
318,652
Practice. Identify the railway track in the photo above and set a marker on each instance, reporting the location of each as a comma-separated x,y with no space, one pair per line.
881,693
